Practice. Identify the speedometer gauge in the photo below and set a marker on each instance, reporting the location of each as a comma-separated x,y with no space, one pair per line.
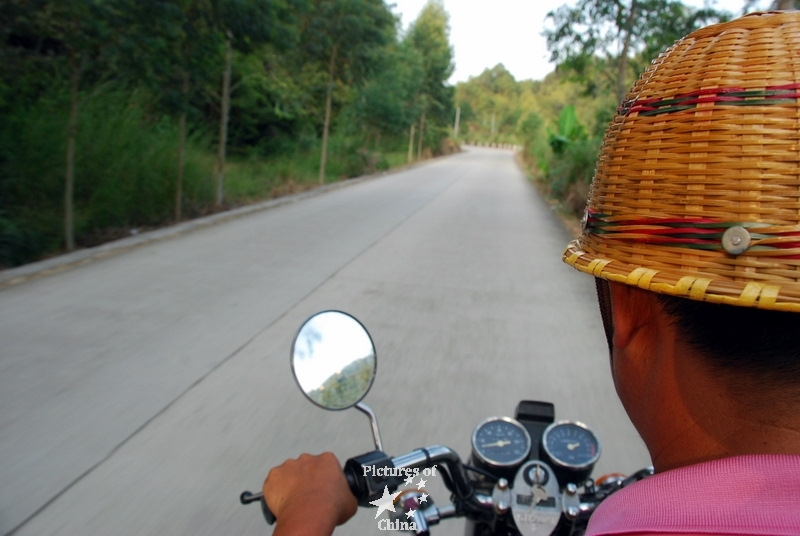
571,448
500,442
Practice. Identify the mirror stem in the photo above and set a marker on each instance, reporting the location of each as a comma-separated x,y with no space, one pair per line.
373,421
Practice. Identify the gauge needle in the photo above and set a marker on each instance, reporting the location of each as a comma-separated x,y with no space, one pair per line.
573,446
501,443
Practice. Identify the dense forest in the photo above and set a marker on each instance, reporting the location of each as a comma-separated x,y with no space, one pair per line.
127,114
122,115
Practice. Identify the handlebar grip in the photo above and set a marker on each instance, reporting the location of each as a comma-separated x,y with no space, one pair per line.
269,517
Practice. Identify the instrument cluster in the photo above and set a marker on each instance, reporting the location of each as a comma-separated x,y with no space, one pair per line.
502,445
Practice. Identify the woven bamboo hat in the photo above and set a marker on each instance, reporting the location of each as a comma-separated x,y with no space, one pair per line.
697,186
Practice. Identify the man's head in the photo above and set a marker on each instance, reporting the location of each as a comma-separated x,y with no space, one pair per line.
696,200
695,388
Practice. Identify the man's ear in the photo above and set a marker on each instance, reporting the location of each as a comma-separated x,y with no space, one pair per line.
632,308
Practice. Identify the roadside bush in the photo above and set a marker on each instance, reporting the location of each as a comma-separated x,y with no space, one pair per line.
570,173
126,165
125,171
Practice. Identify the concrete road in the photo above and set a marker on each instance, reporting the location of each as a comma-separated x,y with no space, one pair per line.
141,393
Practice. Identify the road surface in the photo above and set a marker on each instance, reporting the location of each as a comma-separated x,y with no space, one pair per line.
142,392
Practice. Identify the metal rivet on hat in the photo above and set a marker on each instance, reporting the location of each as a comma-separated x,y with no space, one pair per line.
736,240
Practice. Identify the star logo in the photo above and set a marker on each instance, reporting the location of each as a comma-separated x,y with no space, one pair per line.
410,514
409,480
422,498
386,502
421,484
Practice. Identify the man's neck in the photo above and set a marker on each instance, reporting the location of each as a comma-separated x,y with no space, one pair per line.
711,420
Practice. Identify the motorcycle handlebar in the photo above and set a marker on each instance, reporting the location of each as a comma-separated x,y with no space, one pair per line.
365,488
428,457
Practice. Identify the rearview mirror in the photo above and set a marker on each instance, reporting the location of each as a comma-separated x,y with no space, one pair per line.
333,360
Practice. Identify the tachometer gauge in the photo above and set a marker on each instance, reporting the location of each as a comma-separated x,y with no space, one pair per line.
500,443
571,448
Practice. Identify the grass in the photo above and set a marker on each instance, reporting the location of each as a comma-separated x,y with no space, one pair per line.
253,179
125,173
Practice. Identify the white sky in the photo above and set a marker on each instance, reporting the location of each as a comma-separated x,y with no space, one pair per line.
487,32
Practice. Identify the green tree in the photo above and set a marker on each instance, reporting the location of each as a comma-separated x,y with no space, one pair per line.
244,26
69,36
169,45
529,129
617,33
495,97
272,103
341,38
430,36
388,102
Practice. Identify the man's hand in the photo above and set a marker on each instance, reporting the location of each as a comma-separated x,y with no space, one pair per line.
309,495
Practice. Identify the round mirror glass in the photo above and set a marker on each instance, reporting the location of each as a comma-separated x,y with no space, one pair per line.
333,360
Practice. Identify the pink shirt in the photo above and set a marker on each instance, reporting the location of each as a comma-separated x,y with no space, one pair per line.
743,495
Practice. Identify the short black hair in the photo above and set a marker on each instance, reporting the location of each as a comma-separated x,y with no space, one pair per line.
742,342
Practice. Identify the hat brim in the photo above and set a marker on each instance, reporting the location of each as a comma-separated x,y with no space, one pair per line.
587,256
